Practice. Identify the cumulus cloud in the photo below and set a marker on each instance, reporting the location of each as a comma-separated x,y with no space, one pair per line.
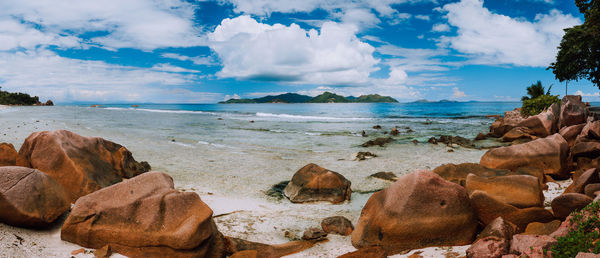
50,76
456,93
422,17
134,23
252,50
440,27
14,34
491,38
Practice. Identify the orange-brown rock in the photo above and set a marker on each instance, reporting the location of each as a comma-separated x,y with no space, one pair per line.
504,124
499,228
544,123
488,208
548,154
590,176
420,209
144,216
80,164
538,228
9,156
337,225
314,183
370,252
521,191
572,111
518,133
592,190
570,133
30,198
564,204
457,173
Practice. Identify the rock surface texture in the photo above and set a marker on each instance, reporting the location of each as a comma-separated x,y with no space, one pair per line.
80,164
30,198
420,209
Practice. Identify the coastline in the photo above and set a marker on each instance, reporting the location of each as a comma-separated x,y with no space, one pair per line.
232,180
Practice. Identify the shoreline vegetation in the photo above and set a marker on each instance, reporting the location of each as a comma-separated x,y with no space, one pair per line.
496,207
21,99
326,97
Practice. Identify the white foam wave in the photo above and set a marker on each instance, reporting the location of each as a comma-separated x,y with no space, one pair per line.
314,118
163,110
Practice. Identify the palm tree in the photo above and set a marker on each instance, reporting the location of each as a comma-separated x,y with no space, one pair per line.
535,90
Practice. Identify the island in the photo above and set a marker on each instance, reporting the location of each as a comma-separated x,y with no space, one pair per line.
326,97
21,99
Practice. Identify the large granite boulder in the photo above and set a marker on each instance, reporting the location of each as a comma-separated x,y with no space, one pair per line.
531,245
30,198
457,173
521,191
566,203
504,124
570,133
80,164
572,111
489,208
543,124
518,133
313,183
549,154
590,176
8,155
143,217
420,209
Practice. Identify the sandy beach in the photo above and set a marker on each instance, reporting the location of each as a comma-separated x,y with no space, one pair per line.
234,185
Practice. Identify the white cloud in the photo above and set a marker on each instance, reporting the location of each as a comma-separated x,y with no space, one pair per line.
134,23
199,60
422,17
415,59
456,93
440,27
234,96
14,34
491,38
252,50
580,93
50,76
362,18
396,76
263,8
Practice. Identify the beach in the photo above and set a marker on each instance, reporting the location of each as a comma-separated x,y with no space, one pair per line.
234,177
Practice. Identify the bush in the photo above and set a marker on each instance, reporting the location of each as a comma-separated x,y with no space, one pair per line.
586,235
537,105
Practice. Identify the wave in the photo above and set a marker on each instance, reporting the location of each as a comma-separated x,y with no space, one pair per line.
314,118
163,110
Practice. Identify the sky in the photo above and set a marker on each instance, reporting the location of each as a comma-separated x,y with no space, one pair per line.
173,51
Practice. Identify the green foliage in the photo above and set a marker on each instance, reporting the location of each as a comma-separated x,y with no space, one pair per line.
586,235
579,51
537,105
328,97
371,98
9,98
534,91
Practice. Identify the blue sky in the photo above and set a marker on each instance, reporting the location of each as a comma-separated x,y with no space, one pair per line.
206,51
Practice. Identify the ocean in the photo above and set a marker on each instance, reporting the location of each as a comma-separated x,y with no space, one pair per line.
232,154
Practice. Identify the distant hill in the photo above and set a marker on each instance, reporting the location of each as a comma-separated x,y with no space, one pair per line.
283,98
22,99
326,97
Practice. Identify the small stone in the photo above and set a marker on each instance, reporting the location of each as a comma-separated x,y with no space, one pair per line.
337,225
314,234
78,251
385,176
